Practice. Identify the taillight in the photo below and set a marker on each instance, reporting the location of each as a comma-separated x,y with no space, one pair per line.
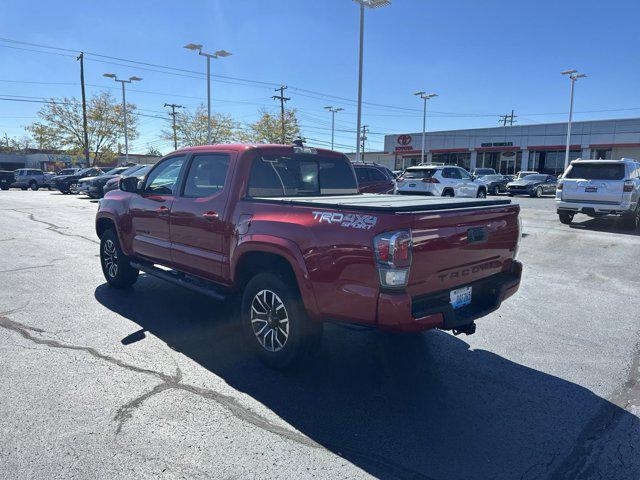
430,180
393,257
628,186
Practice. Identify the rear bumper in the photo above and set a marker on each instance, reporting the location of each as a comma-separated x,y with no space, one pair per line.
604,208
401,313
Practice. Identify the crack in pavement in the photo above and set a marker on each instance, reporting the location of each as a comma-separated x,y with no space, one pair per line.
168,382
50,264
54,228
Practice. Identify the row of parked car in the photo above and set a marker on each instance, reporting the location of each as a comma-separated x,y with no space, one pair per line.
91,181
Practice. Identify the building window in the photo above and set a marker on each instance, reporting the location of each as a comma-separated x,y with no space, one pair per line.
601,153
460,159
550,162
506,162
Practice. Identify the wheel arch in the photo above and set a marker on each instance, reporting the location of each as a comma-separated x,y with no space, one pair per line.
260,253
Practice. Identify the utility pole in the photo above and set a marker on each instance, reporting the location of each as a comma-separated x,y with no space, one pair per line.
363,137
124,109
173,107
84,109
573,76
510,118
282,99
333,111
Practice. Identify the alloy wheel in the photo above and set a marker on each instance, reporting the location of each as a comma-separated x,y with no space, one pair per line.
110,258
269,320
73,188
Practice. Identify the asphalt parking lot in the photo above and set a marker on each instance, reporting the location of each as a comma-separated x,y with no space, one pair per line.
154,382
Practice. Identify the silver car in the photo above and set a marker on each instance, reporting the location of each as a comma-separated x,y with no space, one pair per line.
600,187
440,181
32,178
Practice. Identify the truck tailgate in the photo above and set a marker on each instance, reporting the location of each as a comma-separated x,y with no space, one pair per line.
454,248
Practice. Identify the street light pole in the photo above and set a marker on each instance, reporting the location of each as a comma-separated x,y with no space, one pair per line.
424,96
333,111
369,4
573,76
217,54
124,109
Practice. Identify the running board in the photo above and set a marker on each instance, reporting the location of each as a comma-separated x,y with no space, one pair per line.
182,280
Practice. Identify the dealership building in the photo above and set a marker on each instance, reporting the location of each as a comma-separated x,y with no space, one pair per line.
539,147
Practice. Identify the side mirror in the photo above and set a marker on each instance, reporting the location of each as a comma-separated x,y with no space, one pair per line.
129,184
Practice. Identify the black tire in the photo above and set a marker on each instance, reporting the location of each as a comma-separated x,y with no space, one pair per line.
565,217
5,187
482,193
33,185
537,193
115,264
23,188
73,188
264,326
632,221
50,188
448,193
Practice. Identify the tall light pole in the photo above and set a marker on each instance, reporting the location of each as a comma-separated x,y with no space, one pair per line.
124,109
209,56
368,4
573,76
333,111
424,96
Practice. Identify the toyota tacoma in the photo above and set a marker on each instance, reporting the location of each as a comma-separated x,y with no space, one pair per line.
283,230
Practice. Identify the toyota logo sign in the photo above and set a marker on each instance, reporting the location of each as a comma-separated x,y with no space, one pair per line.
404,139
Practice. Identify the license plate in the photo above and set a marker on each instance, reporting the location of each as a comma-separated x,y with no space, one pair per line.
460,297
591,189
412,184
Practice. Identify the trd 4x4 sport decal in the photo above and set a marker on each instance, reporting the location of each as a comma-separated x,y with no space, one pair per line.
350,220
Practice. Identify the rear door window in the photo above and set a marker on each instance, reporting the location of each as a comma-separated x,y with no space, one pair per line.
362,174
377,175
206,176
596,171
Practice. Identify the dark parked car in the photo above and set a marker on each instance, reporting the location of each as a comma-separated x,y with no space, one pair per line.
535,185
93,186
69,183
138,171
479,172
6,179
374,178
495,183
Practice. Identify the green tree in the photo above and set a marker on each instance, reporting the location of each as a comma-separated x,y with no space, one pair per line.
191,128
60,126
153,151
268,128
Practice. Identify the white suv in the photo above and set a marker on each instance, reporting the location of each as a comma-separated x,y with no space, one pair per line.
600,187
441,180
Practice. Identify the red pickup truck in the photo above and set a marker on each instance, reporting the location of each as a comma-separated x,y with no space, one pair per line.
285,229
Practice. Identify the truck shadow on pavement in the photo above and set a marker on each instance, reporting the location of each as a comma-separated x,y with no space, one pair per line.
422,407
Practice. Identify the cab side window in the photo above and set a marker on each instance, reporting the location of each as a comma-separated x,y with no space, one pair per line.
206,175
162,180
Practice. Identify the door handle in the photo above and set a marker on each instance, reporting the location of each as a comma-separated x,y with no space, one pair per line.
163,210
210,215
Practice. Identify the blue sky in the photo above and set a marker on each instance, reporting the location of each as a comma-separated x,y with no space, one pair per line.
482,58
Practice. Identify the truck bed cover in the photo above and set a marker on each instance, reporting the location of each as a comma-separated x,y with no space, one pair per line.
385,203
